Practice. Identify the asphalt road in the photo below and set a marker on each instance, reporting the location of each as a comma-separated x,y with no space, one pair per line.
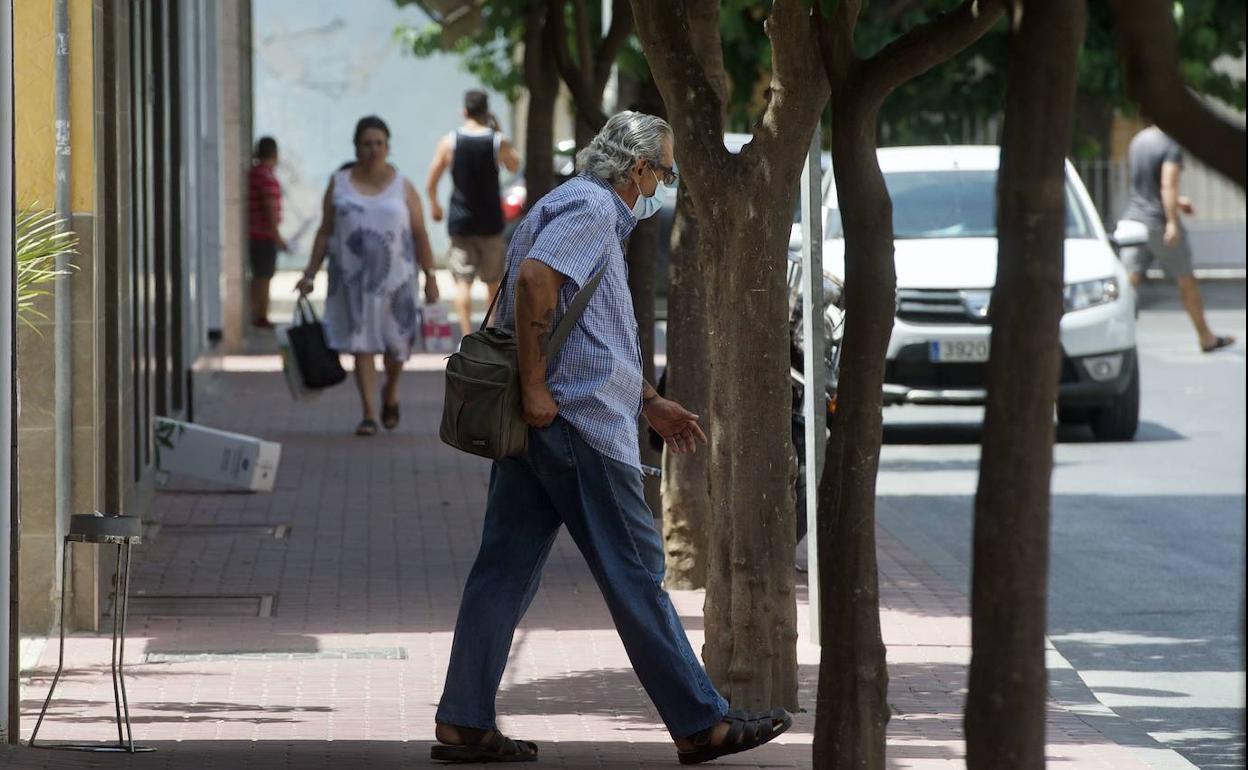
1147,567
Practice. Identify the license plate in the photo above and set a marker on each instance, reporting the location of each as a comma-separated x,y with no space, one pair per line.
960,351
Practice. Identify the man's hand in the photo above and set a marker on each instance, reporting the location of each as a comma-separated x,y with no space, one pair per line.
304,286
540,408
1185,205
435,210
1171,235
677,425
281,244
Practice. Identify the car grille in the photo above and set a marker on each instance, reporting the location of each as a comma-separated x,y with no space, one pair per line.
934,306
913,368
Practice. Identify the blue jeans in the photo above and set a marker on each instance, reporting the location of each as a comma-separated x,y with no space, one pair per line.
563,481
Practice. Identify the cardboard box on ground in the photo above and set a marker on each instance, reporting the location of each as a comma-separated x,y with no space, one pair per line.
232,459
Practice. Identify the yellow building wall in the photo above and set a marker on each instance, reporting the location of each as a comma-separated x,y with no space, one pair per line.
34,137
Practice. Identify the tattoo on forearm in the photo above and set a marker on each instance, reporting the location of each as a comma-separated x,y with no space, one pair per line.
543,328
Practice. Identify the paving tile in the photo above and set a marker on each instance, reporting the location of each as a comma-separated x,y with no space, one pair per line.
382,534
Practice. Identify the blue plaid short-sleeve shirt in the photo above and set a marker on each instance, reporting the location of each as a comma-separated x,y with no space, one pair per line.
595,379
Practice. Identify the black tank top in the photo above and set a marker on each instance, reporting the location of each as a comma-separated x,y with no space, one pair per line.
476,206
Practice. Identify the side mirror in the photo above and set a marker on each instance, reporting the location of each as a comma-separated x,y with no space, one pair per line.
1130,233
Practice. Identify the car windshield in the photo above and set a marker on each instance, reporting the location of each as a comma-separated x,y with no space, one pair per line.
953,204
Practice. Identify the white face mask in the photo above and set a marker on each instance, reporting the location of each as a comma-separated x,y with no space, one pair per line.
649,206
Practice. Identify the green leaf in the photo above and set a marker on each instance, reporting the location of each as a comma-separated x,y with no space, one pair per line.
42,238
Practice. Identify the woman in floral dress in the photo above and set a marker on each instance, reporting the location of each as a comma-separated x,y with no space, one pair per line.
373,230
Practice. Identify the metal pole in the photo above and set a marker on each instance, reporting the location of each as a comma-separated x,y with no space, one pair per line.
8,641
121,649
814,398
63,396
117,594
611,94
60,655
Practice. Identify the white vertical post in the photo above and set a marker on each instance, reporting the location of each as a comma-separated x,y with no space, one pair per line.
611,94
814,406
7,406
210,190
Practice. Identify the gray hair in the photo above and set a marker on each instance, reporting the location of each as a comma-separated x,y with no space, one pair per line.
627,137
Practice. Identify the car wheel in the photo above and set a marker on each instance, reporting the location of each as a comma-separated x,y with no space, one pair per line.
1120,420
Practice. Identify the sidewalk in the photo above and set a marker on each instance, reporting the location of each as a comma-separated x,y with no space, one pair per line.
363,548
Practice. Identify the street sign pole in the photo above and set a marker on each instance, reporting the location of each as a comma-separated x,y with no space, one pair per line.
814,406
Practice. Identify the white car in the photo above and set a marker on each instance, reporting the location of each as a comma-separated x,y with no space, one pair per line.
944,223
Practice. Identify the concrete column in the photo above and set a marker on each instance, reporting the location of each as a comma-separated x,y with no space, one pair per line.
235,154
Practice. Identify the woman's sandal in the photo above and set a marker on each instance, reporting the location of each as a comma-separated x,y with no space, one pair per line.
746,730
1218,344
488,746
390,416
366,428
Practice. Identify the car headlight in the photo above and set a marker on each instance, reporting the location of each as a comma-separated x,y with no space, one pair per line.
1077,296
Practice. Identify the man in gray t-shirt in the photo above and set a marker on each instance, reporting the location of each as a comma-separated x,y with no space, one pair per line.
1155,162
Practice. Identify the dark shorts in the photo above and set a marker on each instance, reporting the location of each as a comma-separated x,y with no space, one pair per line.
263,258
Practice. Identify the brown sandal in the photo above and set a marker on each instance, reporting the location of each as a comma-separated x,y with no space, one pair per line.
484,746
746,730
390,416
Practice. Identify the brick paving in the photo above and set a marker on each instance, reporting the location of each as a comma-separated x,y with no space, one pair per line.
347,670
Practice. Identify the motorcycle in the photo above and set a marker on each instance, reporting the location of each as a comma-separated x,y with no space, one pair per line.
833,333
833,330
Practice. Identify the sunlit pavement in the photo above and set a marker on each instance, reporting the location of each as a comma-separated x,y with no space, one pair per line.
362,550
1147,566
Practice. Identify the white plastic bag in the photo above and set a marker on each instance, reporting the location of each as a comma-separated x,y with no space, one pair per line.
436,330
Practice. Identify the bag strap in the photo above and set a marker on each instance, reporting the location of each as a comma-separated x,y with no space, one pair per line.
575,308
304,309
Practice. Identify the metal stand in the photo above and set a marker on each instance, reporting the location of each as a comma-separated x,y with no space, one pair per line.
124,532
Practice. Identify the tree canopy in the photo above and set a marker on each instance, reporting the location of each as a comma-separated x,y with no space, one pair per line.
488,54
971,88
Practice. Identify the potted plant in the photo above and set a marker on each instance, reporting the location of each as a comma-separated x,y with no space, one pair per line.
41,239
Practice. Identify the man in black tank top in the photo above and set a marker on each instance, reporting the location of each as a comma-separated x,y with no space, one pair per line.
473,154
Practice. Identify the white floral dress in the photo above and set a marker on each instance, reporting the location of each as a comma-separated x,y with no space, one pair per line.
373,281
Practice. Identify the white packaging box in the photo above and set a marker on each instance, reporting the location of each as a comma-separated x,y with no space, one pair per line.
243,462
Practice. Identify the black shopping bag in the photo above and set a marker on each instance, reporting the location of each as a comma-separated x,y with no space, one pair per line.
318,365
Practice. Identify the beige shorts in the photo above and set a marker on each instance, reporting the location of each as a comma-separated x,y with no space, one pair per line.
1175,259
477,256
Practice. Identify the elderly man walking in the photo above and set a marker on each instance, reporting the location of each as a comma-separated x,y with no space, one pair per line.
582,466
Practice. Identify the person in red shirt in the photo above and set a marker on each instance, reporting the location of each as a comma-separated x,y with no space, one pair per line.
264,202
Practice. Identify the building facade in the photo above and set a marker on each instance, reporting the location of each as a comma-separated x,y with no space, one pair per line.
157,134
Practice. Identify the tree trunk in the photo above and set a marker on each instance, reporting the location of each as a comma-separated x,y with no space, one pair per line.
751,613
744,205
1006,702
583,132
852,710
542,80
1093,127
686,478
643,248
